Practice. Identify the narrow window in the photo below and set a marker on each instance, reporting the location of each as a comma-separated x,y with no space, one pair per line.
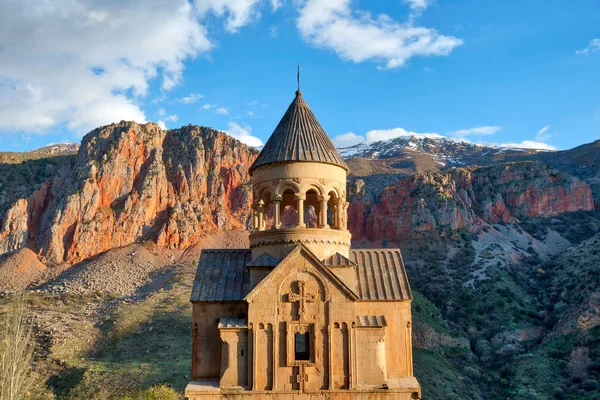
302,346
242,353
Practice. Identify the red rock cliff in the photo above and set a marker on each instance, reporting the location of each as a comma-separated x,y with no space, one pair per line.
135,182
463,199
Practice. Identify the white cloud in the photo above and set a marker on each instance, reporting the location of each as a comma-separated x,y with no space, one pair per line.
275,4
348,139
222,111
161,124
480,130
191,98
386,134
251,113
239,12
357,37
529,144
273,31
417,5
207,106
165,117
542,134
87,63
243,134
594,45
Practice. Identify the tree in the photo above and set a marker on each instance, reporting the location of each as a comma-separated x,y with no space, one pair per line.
16,351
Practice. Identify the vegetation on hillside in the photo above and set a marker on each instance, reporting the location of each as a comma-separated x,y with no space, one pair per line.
16,351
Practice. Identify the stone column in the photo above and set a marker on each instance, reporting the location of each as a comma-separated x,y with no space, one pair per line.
300,198
334,216
339,217
323,219
261,215
253,331
254,217
277,202
344,216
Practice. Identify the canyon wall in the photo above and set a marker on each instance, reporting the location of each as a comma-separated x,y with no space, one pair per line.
463,199
131,183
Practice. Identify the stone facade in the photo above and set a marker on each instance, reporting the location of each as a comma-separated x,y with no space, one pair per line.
300,314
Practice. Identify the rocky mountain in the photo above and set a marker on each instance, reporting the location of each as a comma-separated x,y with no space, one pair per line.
410,154
464,199
132,183
51,150
501,247
446,152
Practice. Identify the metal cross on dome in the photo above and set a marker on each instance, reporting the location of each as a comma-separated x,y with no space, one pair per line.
301,298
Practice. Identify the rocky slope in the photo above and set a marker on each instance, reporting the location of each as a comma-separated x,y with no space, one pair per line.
463,199
412,154
131,183
445,152
51,150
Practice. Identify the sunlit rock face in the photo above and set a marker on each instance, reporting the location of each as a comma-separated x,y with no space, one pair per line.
131,183
463,199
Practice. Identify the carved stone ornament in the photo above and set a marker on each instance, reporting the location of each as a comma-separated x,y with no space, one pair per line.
302,297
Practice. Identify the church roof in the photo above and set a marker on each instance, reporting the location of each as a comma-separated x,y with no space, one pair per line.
222,275
338,260
232,323
371,321
299,137
381,274
264,260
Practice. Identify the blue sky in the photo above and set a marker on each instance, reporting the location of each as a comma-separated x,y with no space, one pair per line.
504,72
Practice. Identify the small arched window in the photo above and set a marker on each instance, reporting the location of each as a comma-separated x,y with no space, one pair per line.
302,346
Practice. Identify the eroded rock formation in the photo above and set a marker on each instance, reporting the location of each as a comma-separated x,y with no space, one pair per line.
131,183
464,199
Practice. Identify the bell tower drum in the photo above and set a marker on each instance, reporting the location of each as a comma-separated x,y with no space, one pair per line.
299,188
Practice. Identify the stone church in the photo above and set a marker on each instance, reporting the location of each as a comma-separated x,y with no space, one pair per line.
300,314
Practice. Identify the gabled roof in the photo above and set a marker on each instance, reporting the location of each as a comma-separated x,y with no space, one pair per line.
302,250
299,137
381,274
264,260
338,260
222,275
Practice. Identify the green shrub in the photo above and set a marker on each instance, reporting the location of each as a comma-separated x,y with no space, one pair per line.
558,393
589,385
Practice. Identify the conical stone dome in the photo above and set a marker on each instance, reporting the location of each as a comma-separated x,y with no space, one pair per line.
299,138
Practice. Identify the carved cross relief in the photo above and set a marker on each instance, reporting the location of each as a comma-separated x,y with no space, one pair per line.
302,378
301,298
